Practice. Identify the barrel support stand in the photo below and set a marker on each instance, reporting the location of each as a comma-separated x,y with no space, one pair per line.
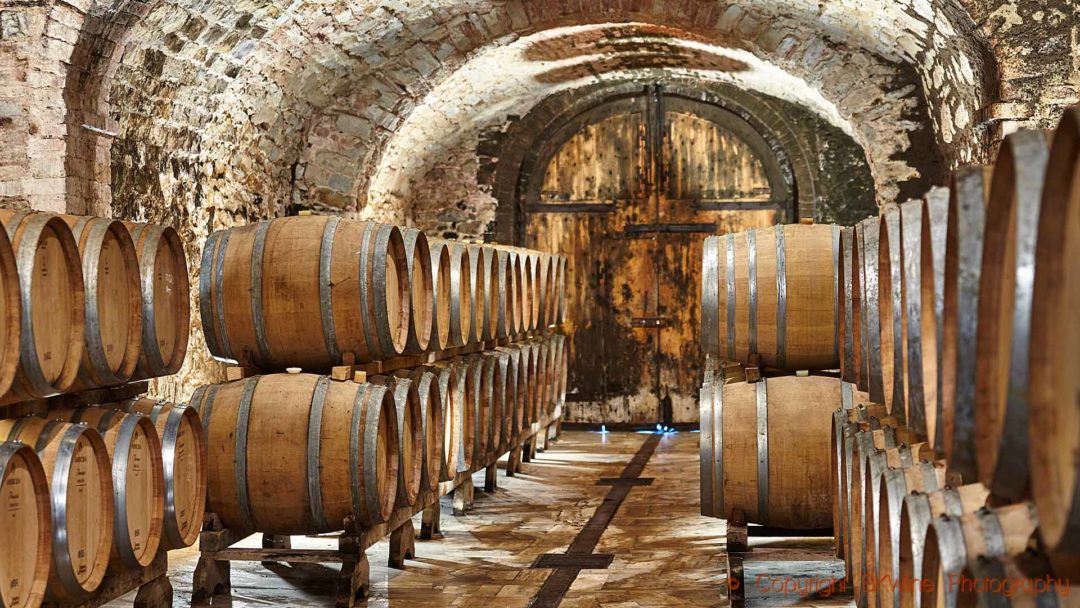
430,524
513,461
402,545
463,497
491,477
736,546
152,583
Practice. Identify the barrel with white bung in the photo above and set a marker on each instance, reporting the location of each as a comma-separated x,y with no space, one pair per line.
1005,290
776,296
1055,346
410,438
765,430
138,480
968,192
421,294
183,457
114,316
343,462
79,473
26,533
166,299
10,314
305,292
52,300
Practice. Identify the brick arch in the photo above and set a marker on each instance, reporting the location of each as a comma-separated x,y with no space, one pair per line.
520,158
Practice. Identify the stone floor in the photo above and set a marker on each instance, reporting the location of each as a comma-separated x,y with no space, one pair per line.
665,553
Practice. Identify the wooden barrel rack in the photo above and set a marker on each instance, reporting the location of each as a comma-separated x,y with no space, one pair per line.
216,542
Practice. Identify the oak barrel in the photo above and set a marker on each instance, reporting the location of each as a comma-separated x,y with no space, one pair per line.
853,409
515,391
850,303
26,534
765,430
442,290
183,457
1055,346
421,290
463,423
478,277
265,288
968,192
78,470
52,300
138,480
446,381
344,463
10,314
867,246
461,293
777,296
891,303
1004,326
410,427
503,395
494,291
114,316
429,398
166,299
480,373
925,313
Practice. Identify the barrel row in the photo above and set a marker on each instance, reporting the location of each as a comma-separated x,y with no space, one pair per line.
88,302
93,489
373,291
912,534
362,450
958,323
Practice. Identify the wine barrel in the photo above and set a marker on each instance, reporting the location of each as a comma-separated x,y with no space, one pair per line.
446,382
248,464
410,427
515,392
460,290
867,237
138,480
963,264
421,291
766,429
562,368
891,303
51,301
27,531
166,299
564,272
429,394
80,489
1004,326
10,314
501,433
442,288
866,443
479,278
1054,346
479,372
916,513
530,360
963,547
777,297
183,457
463,424
534,304
926,302
528,290
915,472
114,316
548,270
849,301
494,286
508,310
264,287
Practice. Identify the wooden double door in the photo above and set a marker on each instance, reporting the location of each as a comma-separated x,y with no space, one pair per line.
629,191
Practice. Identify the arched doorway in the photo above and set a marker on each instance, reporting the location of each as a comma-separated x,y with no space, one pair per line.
627,190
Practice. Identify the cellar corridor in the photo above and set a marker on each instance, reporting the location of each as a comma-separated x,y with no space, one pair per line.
484,557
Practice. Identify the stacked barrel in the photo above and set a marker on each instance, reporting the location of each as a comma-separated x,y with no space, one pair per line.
451,358
90,303
770,301
959,471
